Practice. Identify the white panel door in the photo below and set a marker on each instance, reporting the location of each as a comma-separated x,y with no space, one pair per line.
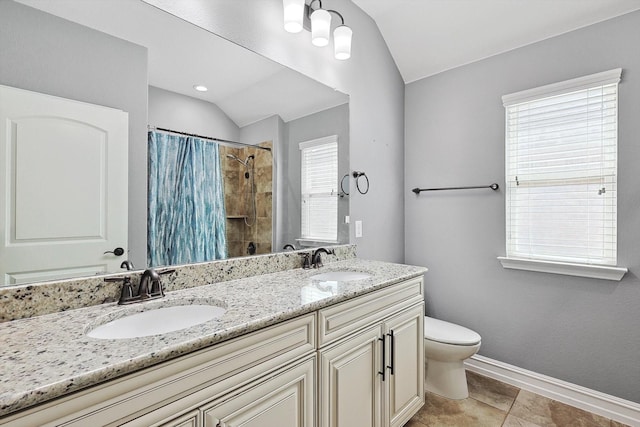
63,192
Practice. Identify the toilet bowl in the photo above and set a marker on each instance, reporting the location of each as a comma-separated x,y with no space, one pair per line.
446,346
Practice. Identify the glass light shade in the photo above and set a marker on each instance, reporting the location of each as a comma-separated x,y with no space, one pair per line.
342,42
293,15
320,27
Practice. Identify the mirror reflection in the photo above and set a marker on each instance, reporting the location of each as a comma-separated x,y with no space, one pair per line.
249,99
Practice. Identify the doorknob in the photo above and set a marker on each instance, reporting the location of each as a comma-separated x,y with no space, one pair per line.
116,252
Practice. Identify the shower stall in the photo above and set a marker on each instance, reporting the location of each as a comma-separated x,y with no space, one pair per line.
249,194
248,199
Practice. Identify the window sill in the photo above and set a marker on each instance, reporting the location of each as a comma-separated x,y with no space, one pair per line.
309,243
569,269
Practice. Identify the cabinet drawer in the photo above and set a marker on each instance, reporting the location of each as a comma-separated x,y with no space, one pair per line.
342,319
168,389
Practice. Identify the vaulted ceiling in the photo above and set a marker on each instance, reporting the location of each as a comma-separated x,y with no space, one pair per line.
426,37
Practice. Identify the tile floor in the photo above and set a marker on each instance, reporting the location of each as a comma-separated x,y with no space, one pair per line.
492,403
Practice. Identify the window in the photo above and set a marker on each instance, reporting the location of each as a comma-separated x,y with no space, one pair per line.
561,167
319,188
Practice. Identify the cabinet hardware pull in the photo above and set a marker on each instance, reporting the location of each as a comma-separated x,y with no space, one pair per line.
393,352
384,351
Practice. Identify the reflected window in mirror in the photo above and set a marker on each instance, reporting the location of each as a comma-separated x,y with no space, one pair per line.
319,189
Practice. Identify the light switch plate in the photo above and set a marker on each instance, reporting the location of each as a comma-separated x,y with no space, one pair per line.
358,228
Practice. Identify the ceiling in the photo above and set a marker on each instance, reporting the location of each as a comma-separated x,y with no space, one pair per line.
426,37
246,86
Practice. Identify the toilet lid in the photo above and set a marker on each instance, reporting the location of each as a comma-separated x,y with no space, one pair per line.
449,333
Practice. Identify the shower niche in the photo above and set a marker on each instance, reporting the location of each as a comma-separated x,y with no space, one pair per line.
248,193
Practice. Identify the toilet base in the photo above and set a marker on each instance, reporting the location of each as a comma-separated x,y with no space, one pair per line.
447,379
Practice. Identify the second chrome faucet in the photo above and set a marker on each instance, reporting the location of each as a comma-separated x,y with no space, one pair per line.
315,259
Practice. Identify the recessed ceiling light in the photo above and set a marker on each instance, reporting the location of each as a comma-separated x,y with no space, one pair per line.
200,88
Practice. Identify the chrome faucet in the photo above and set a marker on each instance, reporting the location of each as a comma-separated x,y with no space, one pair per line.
316,259
127,264
155,290
150,286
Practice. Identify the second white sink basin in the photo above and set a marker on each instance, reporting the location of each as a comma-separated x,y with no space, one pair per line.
340,276
157,321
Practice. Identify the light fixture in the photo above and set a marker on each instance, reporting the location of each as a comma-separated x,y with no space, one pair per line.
294,14
342,40
200,88
320,27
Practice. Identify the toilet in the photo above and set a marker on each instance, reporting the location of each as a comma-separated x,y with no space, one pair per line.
446,346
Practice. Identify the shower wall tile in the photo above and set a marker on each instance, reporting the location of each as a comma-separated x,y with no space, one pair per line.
264,205
230,178
264,179
235,249
263,232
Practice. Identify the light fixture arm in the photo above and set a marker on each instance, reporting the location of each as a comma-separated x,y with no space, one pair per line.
337,13
311,9
311,4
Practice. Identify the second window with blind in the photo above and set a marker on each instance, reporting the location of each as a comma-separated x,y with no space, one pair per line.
561,168
319,189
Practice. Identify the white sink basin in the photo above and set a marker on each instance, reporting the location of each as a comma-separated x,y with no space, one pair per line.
157,321
340,276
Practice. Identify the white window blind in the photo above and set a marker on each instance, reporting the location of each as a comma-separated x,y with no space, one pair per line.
319,188
561,166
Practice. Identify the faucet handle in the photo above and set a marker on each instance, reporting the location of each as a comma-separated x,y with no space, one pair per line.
306,260
126,293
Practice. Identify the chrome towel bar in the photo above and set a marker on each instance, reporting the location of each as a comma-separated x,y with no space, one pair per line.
493,186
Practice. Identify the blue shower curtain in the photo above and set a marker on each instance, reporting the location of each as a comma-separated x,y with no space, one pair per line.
186,218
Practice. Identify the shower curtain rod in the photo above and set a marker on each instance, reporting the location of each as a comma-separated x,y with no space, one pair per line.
208,138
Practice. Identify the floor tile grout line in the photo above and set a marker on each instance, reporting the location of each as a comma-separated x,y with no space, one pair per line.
511,406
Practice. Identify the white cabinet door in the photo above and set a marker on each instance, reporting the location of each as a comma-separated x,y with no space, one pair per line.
353,390
63,192
405,368
351,383
192,419
284,400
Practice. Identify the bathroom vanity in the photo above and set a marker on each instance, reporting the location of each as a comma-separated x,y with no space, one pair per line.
290,350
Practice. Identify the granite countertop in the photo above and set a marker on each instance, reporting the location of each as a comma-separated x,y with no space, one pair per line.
48,356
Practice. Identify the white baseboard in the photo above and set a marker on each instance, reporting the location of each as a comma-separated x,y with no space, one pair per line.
608,406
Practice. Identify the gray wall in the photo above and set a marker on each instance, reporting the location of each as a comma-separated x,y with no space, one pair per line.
187,114
43,53
584,331
376,106
333,121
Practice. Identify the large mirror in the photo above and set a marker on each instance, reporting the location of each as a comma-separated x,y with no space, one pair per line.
250,100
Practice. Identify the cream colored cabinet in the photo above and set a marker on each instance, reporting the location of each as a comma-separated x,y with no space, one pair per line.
358,363
373,377
192,419
405,371
350,387
283,400
172,393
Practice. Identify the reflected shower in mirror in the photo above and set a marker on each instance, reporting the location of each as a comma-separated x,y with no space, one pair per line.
133,57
